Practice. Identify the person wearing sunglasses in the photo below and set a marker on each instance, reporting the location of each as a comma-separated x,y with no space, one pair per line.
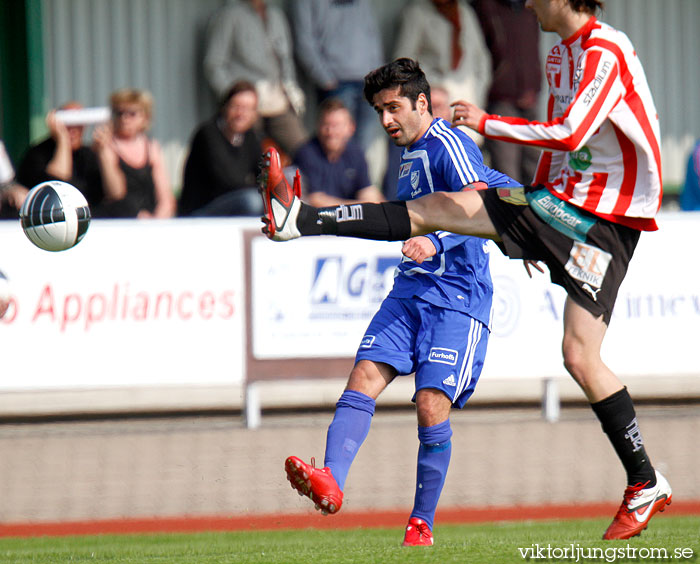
136,182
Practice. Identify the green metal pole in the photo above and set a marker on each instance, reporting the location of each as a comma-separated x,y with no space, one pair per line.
37,97
14,79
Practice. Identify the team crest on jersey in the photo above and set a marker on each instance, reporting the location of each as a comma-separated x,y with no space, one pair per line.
415,177
588,264
404,169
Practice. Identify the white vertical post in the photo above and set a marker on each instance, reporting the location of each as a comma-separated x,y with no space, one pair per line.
551,403
252,406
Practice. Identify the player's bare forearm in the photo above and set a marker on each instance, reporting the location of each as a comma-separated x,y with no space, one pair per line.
457,212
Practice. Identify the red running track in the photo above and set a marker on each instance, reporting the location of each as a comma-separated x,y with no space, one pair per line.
349,520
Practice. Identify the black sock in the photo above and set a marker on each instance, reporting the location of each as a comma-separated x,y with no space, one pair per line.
387,221
618,419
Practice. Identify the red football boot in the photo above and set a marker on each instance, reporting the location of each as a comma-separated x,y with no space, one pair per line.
282,202
639,504
318,484
417,533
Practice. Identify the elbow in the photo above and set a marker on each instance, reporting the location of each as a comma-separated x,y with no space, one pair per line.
574,141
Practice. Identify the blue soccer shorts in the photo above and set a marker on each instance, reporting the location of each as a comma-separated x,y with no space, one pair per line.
443,347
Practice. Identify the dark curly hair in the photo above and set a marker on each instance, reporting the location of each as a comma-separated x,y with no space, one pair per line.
588,6
403,73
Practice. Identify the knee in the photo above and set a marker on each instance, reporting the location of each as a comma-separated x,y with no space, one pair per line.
367,379
432,407
578,360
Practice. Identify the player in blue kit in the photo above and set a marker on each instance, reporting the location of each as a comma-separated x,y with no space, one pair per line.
435,320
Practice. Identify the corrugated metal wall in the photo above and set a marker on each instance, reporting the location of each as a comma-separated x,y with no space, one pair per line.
92,47
665,34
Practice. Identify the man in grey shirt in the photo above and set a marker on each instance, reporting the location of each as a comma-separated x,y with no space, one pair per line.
250,40
337,43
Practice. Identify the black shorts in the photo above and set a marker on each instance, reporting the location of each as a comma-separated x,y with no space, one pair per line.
590,272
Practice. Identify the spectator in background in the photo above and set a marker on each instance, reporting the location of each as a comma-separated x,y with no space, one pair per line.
63,156
250,40
690,195
512,36
333,167
446,38
134,176
221,169
337,44
12,194
440,100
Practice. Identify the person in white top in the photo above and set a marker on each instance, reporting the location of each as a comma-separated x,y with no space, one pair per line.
11,193
600,176
14,194
445,37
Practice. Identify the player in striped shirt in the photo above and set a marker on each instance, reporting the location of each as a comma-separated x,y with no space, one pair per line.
433,323
600,187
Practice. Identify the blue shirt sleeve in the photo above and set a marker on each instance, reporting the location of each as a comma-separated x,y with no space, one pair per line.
460,162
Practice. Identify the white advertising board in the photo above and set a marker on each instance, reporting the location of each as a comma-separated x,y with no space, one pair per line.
135,303
312,298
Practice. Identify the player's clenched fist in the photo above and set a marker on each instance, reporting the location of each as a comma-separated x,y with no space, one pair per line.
467,114
418,249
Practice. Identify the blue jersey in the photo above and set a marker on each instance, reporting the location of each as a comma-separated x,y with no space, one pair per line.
458,276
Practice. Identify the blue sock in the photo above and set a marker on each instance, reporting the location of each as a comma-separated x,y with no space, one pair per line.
433,459
347,431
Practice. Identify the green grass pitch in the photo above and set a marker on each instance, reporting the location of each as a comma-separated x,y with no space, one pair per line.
483,544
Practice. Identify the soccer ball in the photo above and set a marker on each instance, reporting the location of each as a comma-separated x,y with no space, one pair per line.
55,216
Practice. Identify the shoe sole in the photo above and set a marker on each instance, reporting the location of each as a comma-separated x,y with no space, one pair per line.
298,478
416,544
264,189
300,481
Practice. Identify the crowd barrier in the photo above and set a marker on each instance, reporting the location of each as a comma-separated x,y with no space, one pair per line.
209,314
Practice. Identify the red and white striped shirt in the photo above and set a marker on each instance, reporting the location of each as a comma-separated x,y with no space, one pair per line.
601,138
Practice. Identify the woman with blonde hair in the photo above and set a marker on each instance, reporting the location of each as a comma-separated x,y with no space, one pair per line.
134,176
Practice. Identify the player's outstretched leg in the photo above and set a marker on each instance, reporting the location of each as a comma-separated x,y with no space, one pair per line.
287,217
639,504
281,201
318,484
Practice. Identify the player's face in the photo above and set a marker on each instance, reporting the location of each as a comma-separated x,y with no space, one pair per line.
547,12
403,123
